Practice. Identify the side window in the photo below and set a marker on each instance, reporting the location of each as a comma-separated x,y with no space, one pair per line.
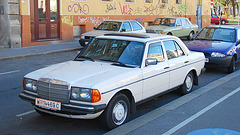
185,22
179,22
136,26
179,49
126,26
172,49
155,51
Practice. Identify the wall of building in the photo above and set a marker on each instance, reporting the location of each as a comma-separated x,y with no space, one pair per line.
10,27
4,25
83,15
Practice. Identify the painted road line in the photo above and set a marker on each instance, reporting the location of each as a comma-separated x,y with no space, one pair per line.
10,72
193,117
26,113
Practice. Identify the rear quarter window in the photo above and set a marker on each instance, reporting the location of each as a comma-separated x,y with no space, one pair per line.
136,26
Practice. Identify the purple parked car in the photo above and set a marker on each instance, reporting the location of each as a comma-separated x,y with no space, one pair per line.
220,44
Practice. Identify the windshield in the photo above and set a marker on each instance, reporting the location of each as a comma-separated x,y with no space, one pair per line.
165,21
116,51
109,25
217,34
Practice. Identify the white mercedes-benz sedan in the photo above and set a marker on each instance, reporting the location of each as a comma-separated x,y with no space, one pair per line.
113,74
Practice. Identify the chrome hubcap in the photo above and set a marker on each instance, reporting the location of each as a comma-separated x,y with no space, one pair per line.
189,82
119,113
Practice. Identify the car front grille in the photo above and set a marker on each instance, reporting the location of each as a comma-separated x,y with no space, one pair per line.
54,90
150,31
88,37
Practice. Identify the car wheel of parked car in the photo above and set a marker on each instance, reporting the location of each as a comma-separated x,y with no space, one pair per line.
223,22
117,111
187,86
232,66
190,36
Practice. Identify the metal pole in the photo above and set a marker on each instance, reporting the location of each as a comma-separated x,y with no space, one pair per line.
238,12
220,13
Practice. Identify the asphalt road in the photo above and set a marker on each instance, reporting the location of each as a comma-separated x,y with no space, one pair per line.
18,117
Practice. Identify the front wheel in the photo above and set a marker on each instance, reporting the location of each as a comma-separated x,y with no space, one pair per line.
190,36
223,22
187,86
117,112
232,66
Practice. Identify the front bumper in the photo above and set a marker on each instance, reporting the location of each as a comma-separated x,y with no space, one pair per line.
66,108
218,62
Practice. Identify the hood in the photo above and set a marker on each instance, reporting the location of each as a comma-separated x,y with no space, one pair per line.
95,33
158,27
210,46
80,73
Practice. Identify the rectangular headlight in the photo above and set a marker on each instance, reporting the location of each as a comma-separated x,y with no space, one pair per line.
85,94
30,84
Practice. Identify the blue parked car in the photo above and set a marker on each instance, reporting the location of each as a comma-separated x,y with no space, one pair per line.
220,44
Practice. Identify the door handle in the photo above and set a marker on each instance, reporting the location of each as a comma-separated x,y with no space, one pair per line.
166,67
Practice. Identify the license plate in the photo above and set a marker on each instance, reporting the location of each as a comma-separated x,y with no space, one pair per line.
48,104
207,60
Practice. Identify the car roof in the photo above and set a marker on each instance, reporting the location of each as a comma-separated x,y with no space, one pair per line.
138,37
224,26
119,20
173,17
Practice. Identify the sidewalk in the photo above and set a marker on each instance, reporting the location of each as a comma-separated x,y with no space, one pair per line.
11,53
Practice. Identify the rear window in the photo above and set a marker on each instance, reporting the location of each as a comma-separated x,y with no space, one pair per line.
136,26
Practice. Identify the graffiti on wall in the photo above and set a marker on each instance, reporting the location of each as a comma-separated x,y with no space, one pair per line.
182,8
140,20
110,7
94,20
154,10
67,20
125,9
78,8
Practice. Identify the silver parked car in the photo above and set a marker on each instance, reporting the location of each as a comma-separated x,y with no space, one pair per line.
126,26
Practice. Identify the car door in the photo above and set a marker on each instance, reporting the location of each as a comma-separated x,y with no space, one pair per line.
178,28
126,27
155,77
136,27
177,61
214,19
238,45
186,27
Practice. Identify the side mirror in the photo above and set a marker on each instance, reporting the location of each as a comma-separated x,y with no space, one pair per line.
238,42
94,28
151,61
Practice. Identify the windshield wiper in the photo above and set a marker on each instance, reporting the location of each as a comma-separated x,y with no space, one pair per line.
118,62
86,58
218,40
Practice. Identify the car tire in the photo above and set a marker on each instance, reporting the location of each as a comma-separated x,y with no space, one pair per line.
117,112
190,36
223,22
232,66
169,33
187,85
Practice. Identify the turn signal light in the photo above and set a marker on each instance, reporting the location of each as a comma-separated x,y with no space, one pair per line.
96,96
